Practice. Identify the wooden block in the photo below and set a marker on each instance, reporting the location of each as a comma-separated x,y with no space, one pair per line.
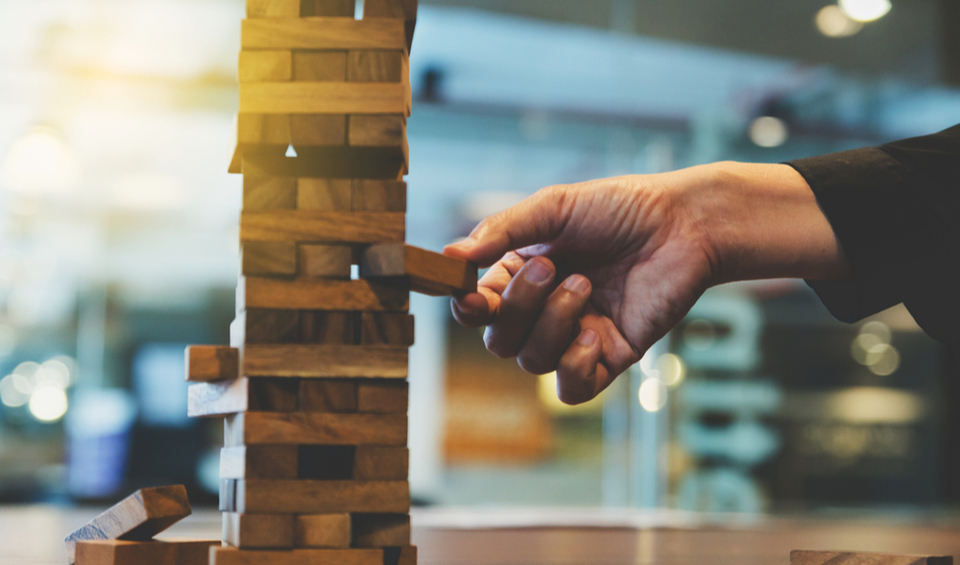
387,329
153,552
262,193
322,227
334,328
375,463
324,195
380,530
383,396
270,258
328,395
265,66
379,196
326,462
315,428
273,8
258,531
211,363
327,162
322,530
405,10
319,294
799,557
322,497
140,516
375,66
323,97
263,129
389,130
318,130
406,556
241,395
259,462
428,272
265,326
228,495
327,8
233,556
320,66
322,33
325,261
323,360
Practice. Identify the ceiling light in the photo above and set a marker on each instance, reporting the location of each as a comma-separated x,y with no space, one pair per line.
767,131
865,10
833,22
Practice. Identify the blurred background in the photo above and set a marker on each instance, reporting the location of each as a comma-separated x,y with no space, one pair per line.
119,242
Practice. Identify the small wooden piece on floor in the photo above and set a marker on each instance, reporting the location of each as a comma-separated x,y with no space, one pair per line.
140,516
802,557
233,556
258,531
322,530
206,363
428,272
153,552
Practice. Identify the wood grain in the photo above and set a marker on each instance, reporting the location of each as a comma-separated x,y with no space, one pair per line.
386,329
140,516
328,8
320,294
325,261
153,552
380,530
266,193
379,196
258,531
323,360
322,530
268,258
258,325
377,130
333,328
241,395
211,363
306,428
381,396
328,395
233,556
318,130
266,66
324,195
322,227
322,33
259,462
375,463
801,557
328,162
375,66
322,497
428,272
323,97
320,66
273,8
263,129
405,10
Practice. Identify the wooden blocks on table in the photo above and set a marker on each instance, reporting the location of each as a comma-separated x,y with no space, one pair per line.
313,391
153,552
802,557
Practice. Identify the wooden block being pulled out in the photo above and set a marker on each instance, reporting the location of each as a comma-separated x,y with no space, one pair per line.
153,552
316,428
233,556
321,360
211,363
321,497
427,272
140,516
802,557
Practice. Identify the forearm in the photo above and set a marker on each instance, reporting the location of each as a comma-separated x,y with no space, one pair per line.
764,222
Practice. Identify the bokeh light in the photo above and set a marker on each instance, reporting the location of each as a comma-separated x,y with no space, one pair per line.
833,22
11,390
768,131
653,395
865,10
48,403
40,162
671,369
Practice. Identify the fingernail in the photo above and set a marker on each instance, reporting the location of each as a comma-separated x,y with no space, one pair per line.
587,338
577,284
537,272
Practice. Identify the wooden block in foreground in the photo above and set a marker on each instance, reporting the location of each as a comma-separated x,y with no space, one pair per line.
322,33
381,396
268,258
323,98
211,363
152,552
374,463
233,556
260,531
265,66
321,360
801,557
322,227
320,294
322,530
140,516
259,462
304,428
428,272
380,530
387,329
241,395
322,497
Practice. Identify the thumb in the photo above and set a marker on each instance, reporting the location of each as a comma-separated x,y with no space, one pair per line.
537,219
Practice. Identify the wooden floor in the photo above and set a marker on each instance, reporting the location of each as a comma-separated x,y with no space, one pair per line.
34,536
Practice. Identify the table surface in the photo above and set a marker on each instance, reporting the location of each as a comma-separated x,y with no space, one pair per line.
33,535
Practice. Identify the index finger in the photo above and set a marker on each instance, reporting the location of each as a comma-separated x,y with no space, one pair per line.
480,308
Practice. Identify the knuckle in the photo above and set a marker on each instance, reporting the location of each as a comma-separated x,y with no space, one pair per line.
534,364
498,346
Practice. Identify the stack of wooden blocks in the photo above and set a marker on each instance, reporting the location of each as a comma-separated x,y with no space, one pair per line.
314,391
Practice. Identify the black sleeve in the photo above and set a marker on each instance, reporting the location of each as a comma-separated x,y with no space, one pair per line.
894,209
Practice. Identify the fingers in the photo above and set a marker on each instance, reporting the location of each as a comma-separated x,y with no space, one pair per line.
536,219
479,308
558,324
578,367
519,307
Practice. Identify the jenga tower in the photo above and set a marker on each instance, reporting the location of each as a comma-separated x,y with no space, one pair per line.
314,391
